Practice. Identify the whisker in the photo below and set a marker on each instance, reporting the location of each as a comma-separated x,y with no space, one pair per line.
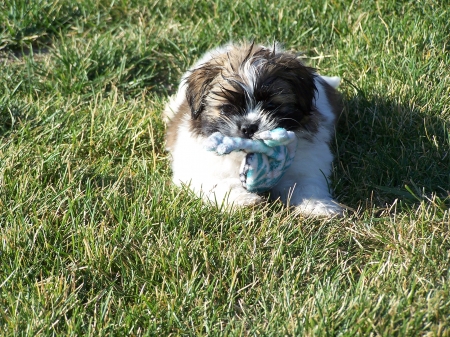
227,121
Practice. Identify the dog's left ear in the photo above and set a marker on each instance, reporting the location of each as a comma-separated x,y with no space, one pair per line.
198,84
301,77
304,84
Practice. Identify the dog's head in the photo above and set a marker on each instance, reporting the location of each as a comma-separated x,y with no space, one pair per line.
246,89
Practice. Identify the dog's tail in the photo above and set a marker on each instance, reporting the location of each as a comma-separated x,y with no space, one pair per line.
333,81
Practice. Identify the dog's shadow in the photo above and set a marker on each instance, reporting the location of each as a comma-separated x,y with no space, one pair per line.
388,150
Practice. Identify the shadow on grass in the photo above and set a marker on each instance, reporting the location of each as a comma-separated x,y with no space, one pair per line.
387,150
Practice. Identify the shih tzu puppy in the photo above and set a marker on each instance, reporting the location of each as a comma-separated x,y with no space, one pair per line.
241,90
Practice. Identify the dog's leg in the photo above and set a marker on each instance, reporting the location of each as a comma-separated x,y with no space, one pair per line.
230,192
227,192
309,196
305,185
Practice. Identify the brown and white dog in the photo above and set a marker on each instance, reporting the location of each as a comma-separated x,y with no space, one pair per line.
241,90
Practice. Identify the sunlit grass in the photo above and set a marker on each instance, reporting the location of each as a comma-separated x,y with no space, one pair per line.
95,240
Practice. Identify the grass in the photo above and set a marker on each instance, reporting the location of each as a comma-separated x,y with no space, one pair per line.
94,239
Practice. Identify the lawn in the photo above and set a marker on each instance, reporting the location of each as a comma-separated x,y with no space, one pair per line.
95,240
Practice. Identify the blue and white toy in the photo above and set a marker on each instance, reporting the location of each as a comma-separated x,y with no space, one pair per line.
267,158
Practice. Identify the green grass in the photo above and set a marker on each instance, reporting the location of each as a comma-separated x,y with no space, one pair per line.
94,239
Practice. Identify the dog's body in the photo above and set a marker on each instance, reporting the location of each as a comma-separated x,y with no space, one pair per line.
240,91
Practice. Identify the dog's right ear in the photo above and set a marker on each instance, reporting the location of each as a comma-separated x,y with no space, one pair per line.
198,84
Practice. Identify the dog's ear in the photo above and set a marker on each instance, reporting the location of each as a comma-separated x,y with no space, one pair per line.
289,68
302,79
198,84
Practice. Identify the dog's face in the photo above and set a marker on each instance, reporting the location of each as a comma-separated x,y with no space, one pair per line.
249,89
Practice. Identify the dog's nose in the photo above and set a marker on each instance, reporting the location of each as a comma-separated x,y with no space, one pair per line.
248,130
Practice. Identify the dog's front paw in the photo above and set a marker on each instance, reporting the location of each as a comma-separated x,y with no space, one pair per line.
246,199
231,194
319,208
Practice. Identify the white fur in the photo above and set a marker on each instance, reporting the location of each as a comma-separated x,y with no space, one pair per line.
216,178
213,177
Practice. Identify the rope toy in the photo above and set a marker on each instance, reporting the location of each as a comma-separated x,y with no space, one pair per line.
267,158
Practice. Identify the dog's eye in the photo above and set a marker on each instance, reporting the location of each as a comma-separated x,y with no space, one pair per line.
227,109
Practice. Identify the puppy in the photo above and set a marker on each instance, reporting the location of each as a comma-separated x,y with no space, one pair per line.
242,90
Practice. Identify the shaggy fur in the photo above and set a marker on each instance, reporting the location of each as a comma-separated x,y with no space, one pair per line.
240,91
